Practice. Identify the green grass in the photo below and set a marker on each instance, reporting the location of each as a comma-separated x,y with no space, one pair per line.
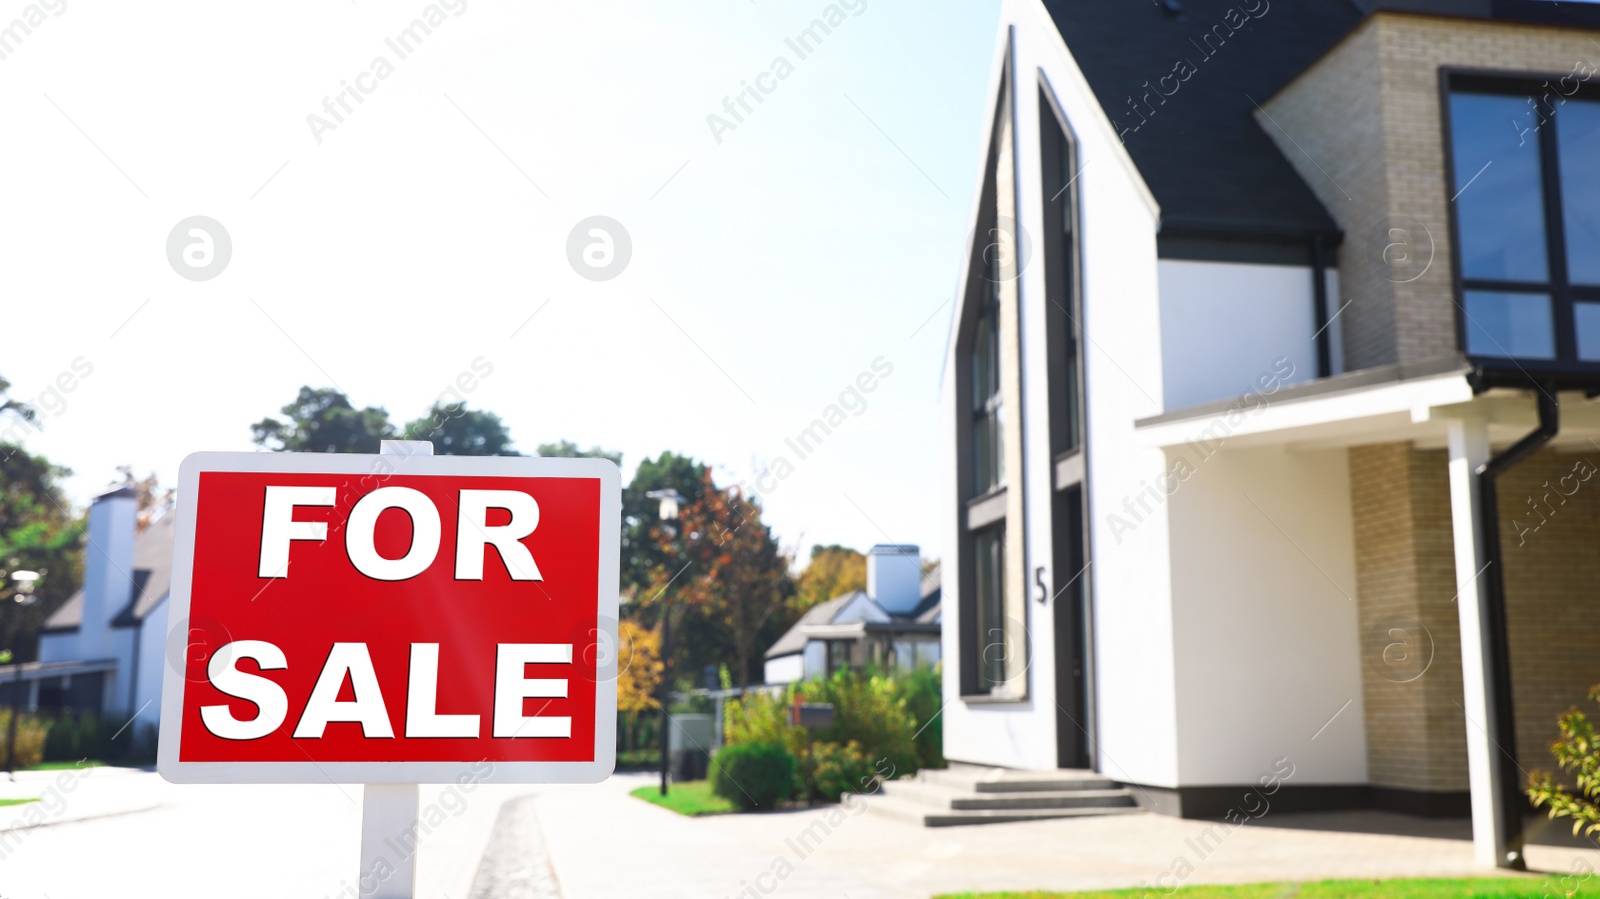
66,766
692,798
1472,888
6,802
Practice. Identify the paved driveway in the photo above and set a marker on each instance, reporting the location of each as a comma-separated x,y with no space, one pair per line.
596,841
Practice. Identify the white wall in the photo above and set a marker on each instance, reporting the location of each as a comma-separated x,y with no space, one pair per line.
1267,640
1136,729
152,666
784,669
1224,323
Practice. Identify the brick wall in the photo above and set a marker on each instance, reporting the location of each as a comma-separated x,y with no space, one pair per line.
1362,125
1552,575
1411,643
1406,587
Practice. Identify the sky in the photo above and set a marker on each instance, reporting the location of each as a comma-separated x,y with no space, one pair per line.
385,212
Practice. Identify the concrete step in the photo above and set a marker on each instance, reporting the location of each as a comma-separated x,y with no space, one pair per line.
998,780
927,816
947,798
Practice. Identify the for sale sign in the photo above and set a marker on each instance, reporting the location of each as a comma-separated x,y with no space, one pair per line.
392,619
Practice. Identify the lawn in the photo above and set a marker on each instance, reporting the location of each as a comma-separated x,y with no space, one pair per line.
6,802
1473,888
692,798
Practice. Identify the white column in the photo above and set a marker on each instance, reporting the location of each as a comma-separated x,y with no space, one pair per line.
389,838
1469,449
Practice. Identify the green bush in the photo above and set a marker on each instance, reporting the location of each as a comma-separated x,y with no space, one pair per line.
883,715
85,736
753,776
31,734
837,770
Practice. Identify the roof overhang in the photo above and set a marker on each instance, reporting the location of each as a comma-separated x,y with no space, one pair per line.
1413,403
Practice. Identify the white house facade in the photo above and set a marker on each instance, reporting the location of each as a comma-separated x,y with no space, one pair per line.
1268,325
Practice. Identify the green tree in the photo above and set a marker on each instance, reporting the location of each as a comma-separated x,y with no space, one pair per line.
456,430
323,420
643,552
38,532
566,449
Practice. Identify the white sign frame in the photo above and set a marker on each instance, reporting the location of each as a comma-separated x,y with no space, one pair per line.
175,681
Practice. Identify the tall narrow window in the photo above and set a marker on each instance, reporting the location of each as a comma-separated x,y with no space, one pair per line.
1059,184
993,645
1526,198
988,419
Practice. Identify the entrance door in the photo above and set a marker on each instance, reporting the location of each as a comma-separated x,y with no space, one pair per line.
1068,608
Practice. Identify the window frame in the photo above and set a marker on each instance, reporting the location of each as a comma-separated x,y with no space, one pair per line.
1563,294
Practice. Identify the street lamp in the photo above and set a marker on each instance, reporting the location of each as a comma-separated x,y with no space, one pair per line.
25,581
671,501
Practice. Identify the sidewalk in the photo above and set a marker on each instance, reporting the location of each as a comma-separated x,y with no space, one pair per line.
605,843
74,794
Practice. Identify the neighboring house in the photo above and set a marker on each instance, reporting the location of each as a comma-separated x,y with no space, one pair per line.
1247,422
104,650
894,623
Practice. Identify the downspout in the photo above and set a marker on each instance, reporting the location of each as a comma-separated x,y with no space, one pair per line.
1319,299
1497,646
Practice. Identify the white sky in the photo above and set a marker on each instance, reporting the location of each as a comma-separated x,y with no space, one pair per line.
405,245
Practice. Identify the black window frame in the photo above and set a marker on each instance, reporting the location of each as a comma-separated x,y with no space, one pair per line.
1562,293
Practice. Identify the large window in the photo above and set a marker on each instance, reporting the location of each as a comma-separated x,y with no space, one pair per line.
1526,194
988,419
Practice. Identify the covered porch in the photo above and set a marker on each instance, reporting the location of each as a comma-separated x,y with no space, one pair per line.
1467,547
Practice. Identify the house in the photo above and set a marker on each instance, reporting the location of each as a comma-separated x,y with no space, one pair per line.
105,649
893,623
1267,405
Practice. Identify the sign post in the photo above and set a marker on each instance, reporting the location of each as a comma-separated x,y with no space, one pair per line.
392,620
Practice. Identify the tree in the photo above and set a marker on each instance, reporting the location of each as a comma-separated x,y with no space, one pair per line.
833,571
151,498
638,667
566,449
456,430
323,420
740,577
643,553
38,532
1578,754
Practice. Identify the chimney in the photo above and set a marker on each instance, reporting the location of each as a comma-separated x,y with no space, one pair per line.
894,577
107,569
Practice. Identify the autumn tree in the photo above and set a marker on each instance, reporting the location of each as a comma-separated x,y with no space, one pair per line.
638,673
739,577
833,570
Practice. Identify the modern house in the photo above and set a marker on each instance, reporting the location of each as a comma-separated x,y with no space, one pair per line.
105,649
1268,406
893,623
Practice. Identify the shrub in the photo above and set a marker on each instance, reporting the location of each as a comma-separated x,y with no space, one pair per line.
753,776
837,770
1578,753
31,735
883,715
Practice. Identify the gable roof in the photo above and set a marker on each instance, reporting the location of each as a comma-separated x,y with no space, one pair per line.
860,608
1209,163
152,580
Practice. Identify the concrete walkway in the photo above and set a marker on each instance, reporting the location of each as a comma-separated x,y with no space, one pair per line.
605,843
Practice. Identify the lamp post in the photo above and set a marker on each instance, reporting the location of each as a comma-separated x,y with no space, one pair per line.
25,581
671,500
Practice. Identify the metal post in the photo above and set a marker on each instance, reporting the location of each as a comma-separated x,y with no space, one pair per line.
666,687
389,832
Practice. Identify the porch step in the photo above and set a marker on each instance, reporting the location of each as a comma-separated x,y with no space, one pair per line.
972,795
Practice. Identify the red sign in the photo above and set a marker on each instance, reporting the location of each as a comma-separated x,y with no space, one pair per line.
392,619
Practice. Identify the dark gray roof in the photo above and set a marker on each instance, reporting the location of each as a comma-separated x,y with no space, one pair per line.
1204,155
1208,162
152,580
